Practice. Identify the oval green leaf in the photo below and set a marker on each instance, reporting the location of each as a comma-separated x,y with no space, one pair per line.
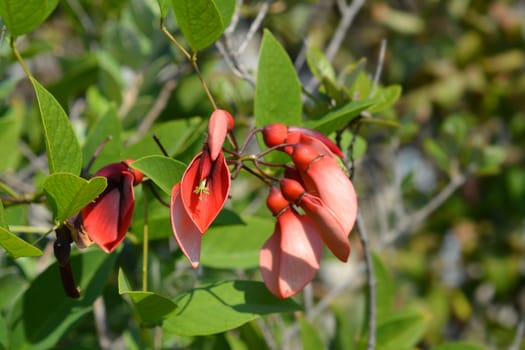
68,193
163,171
14,246
63,150
278,89
199,20
232,303
21,17
235,246
151,308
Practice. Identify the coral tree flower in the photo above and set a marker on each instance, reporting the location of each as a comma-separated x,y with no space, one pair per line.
201,194
107,219
290,258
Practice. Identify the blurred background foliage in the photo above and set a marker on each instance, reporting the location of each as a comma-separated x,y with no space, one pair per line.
442,194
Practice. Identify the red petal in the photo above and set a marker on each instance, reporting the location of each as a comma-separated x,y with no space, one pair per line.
290,258
319,136
220,123
101,220
323,177
186,233
203,208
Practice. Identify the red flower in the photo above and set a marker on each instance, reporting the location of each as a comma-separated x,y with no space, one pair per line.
290,258
322,176
106,220
199,197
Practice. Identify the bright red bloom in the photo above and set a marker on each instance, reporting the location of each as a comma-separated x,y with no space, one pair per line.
201,194
329,227
204,188
290,258
106,220
322,176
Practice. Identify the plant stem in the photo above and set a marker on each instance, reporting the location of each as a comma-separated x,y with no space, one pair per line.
19,58
363,236
193,60
145,242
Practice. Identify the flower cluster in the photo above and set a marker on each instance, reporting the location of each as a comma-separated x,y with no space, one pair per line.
314,201
318,185
199,197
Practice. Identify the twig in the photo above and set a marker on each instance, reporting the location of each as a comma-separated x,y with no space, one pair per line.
379,68
130,96
101,323
234,64
254,27
154,112
363,236
346,21
520,333
410,222
2,34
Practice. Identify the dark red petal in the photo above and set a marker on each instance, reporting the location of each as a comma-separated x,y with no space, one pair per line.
290,258
112,171
186,233
101,220
203,207
220,123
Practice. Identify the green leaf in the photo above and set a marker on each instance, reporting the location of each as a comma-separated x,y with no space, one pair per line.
108,127
10,128
63,150
338,117
492,158
164,6
163,171
386,97
278,89
458,346
433,149
319,64
14,245
232,303
235,246
43,314
310,336
175,137
400,330
68,193
151,307
199,20
21,17
226,9
3,334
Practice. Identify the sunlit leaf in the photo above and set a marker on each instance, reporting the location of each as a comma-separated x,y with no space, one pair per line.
164,6
319,64
232,303
163,171
151,308
68,193
339,117
21,17
200,21
278,89
386,97
63,150
235,246
43,314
